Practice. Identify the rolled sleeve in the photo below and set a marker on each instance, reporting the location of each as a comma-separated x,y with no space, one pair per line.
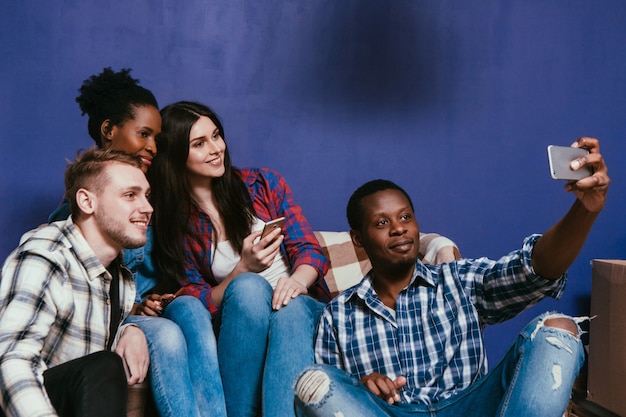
503,288
273,198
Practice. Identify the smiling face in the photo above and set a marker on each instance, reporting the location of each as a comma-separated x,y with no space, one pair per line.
136,136
206,151
389,232
122,212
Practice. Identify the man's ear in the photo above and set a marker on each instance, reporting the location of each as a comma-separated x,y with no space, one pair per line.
85,201
356,238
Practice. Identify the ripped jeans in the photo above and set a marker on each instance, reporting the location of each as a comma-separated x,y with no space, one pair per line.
535,378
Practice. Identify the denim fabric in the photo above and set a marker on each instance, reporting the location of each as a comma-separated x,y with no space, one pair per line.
534,378
261,351
139,261
184,372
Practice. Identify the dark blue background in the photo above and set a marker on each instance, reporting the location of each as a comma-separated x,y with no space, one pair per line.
454,100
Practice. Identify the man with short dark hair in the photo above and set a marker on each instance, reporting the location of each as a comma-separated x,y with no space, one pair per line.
64,292
407,340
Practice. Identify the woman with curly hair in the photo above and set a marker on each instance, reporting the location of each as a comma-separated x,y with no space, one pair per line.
184,373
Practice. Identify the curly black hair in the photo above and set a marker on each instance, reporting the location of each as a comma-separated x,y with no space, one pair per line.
114,96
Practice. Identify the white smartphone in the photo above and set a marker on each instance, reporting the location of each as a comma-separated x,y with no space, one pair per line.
560,158
271,225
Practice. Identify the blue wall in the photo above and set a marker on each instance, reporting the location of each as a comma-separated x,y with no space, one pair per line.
454,100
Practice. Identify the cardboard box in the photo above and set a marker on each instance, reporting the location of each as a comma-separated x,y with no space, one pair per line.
606,385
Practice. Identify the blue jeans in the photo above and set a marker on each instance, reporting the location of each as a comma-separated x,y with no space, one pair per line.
262,351
534,378
184,372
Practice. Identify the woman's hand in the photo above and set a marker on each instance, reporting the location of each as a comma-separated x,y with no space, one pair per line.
286,289
153,305
257,257
289,288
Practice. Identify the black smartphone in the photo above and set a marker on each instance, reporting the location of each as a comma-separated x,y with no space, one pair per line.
166,301
560,157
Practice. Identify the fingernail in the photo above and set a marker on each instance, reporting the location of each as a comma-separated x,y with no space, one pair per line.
575,144
575,164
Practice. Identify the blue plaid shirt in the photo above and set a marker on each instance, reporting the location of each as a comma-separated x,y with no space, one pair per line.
435,336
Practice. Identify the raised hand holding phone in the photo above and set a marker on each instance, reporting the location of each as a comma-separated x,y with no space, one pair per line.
560,158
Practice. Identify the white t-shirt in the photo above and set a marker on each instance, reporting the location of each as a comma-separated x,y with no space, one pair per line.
225,258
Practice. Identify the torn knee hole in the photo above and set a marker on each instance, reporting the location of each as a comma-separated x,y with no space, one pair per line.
563,323
312,386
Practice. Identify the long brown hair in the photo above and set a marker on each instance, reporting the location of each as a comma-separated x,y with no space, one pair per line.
171,196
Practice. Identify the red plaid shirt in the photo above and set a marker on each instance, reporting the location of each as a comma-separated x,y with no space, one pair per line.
271,198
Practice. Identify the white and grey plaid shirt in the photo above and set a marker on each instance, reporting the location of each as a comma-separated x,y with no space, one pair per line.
54,307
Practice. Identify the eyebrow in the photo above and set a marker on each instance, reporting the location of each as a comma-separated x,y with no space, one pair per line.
198,137
400,210
216,130
136,188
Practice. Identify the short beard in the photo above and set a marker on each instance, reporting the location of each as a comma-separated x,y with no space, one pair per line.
400,268
114,230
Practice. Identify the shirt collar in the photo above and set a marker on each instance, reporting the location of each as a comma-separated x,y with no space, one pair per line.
422,275
83,251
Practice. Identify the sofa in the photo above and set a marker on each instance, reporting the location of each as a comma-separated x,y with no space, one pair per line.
348,264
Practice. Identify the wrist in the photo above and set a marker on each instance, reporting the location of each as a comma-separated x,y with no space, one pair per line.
239,269
299,281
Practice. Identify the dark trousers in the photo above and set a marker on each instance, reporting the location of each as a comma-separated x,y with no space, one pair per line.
91,386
